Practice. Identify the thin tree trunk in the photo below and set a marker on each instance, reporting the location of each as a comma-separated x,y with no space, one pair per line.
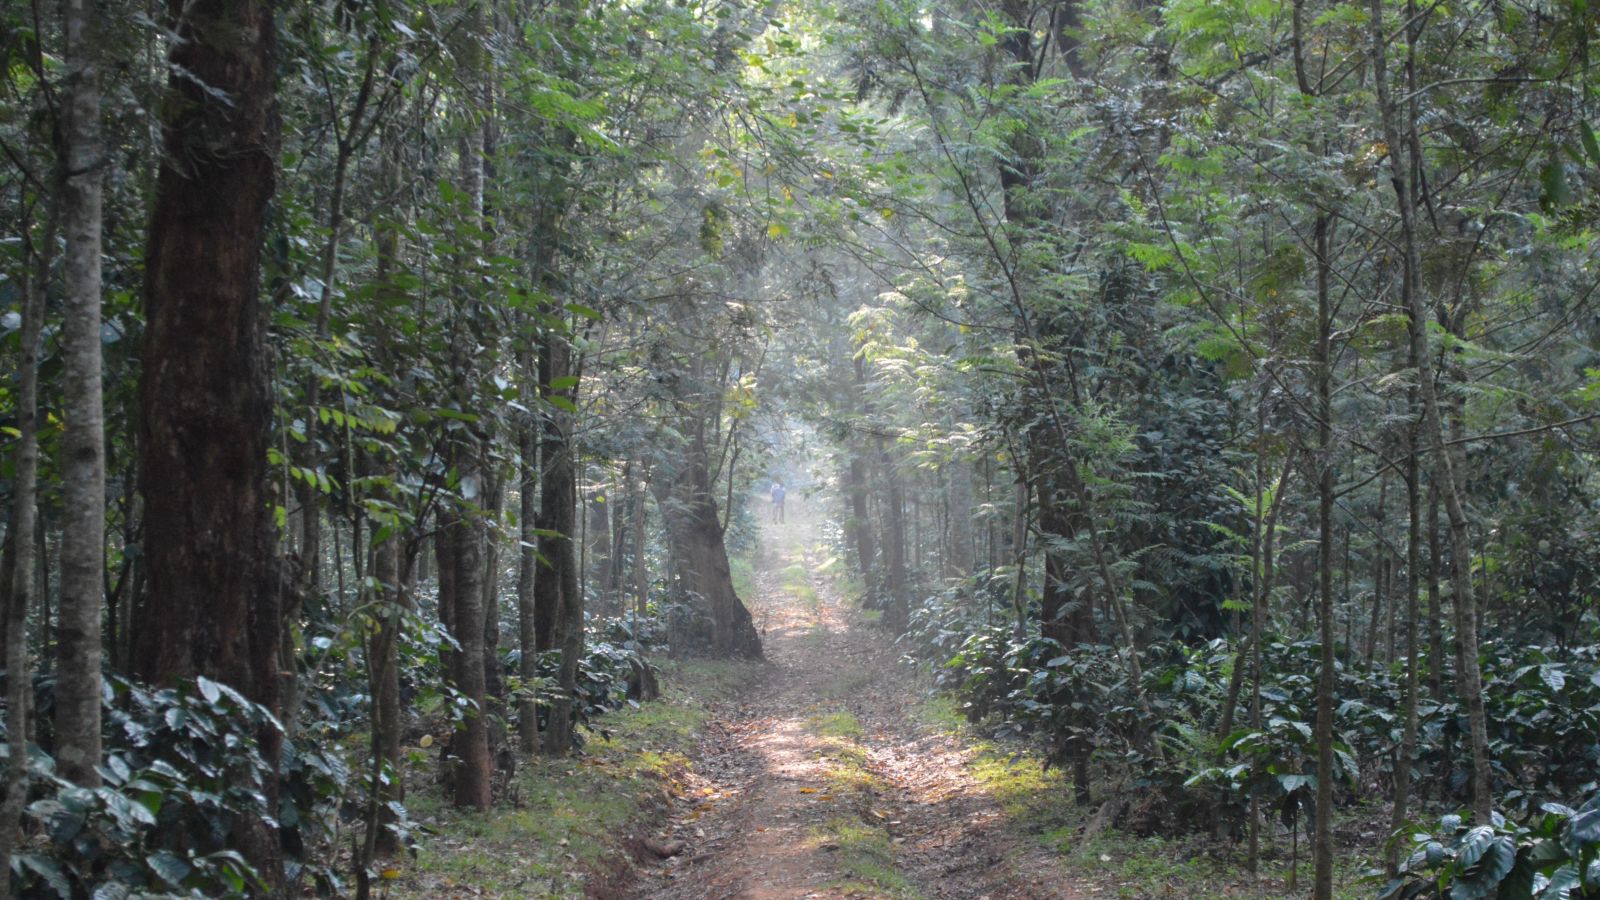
1470,676
641,561
20,592
77,706
471,783
1380,584
1408,734
958,519
1019,549
558,582
1323,368
527,571
493,678
1435,602
894,542
350,137
393,563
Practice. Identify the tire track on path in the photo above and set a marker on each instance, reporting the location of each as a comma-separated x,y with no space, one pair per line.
818,782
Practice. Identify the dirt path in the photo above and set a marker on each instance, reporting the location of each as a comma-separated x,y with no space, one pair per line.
819,783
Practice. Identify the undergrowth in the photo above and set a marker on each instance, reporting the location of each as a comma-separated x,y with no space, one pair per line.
1039,803
558,827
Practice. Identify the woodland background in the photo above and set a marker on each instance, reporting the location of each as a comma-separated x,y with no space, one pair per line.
1206,392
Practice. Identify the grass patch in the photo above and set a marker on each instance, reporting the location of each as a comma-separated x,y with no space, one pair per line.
743,573
561,821
1140,867
840,724
1036,799
865,857
1123,864
861,846
795,580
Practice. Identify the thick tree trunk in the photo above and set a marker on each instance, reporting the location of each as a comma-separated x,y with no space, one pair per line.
77,707
695,538
205,398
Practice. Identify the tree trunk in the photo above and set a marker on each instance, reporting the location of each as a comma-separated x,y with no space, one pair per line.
493,679
859,525
470,744
557,587
1470,677
20,591
695,538
1408,734
383,672
958,520
527,574
205,398
598,526
897,608
1323,368
1435,602
641,559
83,458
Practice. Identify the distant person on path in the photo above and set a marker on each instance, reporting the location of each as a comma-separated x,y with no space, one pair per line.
777,501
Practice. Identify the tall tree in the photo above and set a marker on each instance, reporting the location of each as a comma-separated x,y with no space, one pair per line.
77,707
1401,165
21,593
205,401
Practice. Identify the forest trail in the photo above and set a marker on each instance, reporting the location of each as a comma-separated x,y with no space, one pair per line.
817,781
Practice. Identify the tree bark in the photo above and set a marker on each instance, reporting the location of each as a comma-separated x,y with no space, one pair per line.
641,545
21,590
558,583
77,706
1323,367
695,540
527,572
1408,733
471,779
898,605
205,398
1435,602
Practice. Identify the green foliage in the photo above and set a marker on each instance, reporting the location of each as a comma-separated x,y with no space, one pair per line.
182,774
1555,855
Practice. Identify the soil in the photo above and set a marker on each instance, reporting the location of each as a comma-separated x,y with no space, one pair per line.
819,781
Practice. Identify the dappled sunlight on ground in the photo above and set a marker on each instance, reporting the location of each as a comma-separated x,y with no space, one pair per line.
818,782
